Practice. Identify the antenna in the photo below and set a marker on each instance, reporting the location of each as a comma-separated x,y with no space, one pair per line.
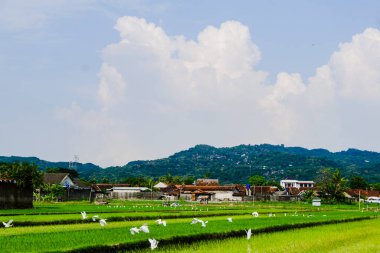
74,162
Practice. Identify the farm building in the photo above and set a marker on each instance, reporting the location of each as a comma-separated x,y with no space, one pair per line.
212,193
362,193
12,196
123,191
261,193
76,189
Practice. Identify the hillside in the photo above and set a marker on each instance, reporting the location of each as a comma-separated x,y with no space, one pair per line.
236,164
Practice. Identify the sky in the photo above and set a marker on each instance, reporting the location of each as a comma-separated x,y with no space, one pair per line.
116,81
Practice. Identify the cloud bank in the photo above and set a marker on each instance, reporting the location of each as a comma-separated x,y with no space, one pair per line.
158,94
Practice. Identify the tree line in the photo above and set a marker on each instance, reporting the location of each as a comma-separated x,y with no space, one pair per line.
330,182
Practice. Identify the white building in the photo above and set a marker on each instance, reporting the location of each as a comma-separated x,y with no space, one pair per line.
297,184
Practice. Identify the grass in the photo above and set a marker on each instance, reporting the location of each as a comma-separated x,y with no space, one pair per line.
360,236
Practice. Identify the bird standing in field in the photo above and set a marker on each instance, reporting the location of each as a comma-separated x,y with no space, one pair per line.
95,217
161,222
204,223
8,224
255,214
153,243
229,219
84,215
102,222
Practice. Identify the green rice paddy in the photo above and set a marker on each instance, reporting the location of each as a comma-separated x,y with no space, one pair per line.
59,227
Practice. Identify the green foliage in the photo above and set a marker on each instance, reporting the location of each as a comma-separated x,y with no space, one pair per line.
52,192
25,174
309,195
331,184
72,172
137,181
357,182
257,180
375,187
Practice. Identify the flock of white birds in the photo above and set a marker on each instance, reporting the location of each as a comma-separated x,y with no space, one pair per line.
145,229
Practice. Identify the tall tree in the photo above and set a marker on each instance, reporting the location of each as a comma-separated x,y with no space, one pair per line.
257,180
26,175
331,184
357,182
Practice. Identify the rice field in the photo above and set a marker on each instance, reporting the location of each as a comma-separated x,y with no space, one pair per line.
59,227
352,237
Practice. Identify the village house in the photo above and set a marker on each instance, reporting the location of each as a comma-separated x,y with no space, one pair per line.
296,184
212,193
76,189
260,193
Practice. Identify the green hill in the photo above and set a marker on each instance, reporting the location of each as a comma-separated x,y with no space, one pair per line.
235,164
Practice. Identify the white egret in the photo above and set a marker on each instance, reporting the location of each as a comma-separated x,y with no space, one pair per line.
204,223
161,222
153,243
8,224
195,221
102,222
255,214
95,217
134,230
249,233
84,215
270,214
229,219
144,228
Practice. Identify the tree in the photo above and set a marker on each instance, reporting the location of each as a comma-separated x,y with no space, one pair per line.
168,179
72,172
52,192
257,180
189,180
331,184
357,182
26,175
375,186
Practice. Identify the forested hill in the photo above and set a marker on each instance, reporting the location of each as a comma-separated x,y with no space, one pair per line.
236,164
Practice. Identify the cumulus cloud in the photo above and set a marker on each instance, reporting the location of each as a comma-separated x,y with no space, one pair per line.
158,94
111,86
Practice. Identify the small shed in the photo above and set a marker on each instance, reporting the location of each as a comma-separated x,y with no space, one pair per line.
316,202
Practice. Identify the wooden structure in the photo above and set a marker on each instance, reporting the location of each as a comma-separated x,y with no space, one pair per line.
12,196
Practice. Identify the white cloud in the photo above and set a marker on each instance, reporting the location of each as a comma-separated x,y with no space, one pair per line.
111,86
159,94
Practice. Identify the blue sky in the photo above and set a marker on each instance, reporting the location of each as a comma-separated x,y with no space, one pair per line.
115,81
